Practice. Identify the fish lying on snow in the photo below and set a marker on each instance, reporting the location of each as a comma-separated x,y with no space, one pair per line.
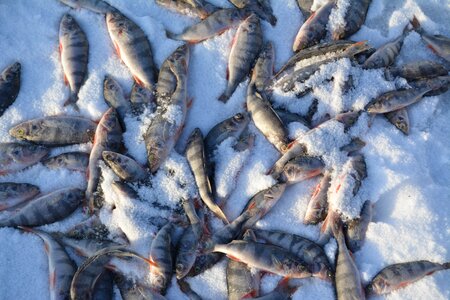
9,86
355,230
15,156
417,70
318,205
301,168
86,247
114,97
74,50
141,98
12,194
264,66
97,6
438,43
261,8
400,119
125,167
199,8
354,19
244,50
161,260
55,130
73,161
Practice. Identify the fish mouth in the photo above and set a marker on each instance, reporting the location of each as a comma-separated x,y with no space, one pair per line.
18,132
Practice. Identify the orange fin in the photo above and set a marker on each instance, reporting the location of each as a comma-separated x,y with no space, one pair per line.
66,82
151,262
189,103
138,81
252,205
52,280
291,144
117,48
233,258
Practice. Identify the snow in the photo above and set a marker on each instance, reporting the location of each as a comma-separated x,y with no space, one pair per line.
408,176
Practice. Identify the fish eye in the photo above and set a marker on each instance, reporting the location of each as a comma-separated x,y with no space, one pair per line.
238,117
16,152
34,127
20,132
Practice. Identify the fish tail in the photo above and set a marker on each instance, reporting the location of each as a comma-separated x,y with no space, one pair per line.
171,35
219,213
72,101
224,97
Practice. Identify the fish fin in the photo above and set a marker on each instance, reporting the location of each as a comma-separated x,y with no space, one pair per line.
250,295
171,35
152,262
3,207
117,49
60,48
189,102
72,101
66,82
233,258
291,144
138,81
416,24
252,205
233,41
224,97
52,280
431,48
276,262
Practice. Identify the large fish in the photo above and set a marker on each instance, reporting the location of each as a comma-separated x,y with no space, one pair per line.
266,119
161,260
440,44
15,157
301,168
261,8
417,70
125,167
12,194
164,130
400,119
61,268
397,276
245,48
215,24
265,257
195,154
133,48
97,6
314,29
74,49
307,251
199,8
263,70
108,136
318,205
355,230
46,209
73,161
354,19
114,97
55,130
9,86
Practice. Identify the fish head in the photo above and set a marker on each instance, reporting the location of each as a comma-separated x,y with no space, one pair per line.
12,73
116,22
67,25
27,129
302,168
158,282
182,53
377,286
181,270
140,94
111,157
238,122
251,24
27,153
110,87
195,135
109,121
240,3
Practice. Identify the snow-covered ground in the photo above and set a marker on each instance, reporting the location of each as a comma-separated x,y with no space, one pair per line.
408,176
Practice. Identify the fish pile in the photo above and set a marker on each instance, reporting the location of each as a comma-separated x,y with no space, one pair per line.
186,244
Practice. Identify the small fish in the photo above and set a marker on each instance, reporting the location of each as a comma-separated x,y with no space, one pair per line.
55,130
114,97
125,167
347,279
354,19
263,70
195,154
97,6
417,70
288,117
305,7
61,267
261,8
15,157
104,287
198,8
12,194
439,85
314,29
9,86
386,54
440,44
397,276
307,251
266,119
186,289
400,119
108,136
215,24
74,50
46,209
133,48
161,260
141,98
73,161
355,230
318,205
244,50
301,168
265,257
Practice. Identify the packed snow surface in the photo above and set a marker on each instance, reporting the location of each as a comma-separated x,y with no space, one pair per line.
408,176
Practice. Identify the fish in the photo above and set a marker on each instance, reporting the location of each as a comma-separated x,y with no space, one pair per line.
395,100
354,146
400,119
416,70
9,86
215,24
265,257
195,155
355,230
347,279
288,117
266,119
314,28
104,287
197,8
141,98
397,276
301,168
91,229
386,54
304,249
86,247
264,66
60,266
74,50
114,97
12,194
354,19
97,6
125,167
55,130
305,7
108,137
46,209
283,291
167,82
261,8
241,282
163,132
318,205
186,289
15,156
73,161
439,85
131,290
204,262
439,44
245,48
132,46
161,260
